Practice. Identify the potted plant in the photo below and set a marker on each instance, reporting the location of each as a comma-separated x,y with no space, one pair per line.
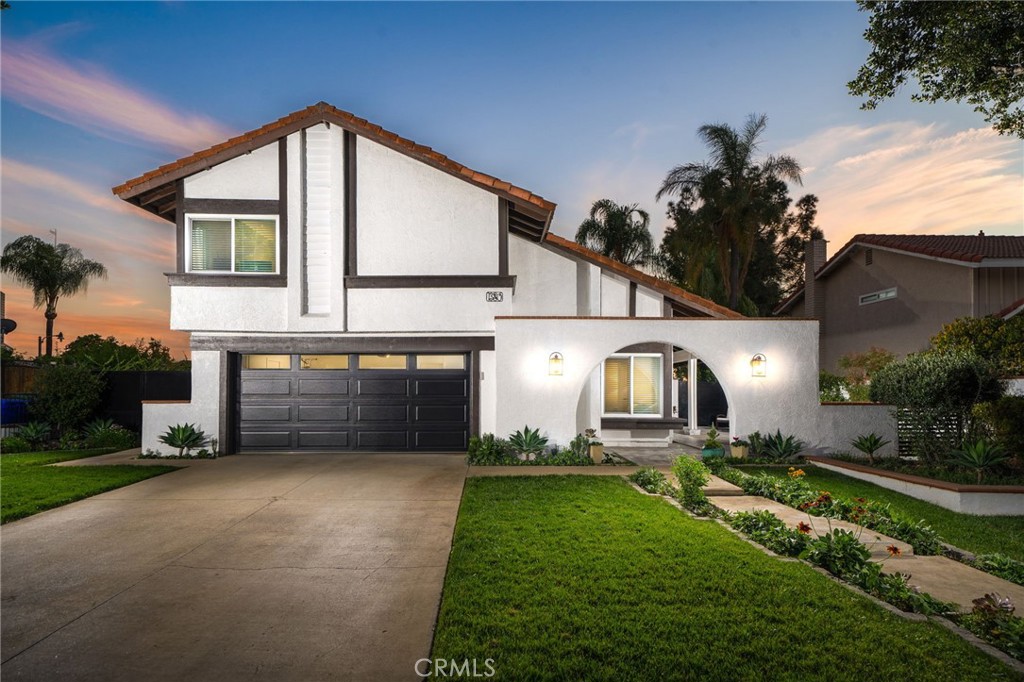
596,446
739,447
712,446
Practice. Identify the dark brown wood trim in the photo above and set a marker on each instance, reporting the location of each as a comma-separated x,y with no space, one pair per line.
341,344
303,183
233,206
920,480
666,307
668,351
430,282
474,393
502,237
194,279
632,299
282,205
351,240
179,223
630,423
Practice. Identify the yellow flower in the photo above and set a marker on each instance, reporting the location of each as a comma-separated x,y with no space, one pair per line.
796,473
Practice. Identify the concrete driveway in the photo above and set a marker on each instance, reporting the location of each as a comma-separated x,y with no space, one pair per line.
277,567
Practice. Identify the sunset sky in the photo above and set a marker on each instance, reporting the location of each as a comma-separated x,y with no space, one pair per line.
574,101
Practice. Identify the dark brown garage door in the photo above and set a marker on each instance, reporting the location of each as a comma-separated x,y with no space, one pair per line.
361,402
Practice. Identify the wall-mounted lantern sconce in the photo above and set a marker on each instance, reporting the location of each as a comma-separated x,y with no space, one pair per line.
555,365
758,366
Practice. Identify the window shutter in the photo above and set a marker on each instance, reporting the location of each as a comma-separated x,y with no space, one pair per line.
255,246
616,385
211,245
646,385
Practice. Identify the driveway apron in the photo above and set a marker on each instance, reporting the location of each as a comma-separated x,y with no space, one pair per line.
281,567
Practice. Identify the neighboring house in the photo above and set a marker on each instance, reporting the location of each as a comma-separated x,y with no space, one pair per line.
897,291
348,289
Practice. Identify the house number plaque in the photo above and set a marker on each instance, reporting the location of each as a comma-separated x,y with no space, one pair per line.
495,296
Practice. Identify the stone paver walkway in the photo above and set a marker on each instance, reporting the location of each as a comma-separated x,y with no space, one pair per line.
939,576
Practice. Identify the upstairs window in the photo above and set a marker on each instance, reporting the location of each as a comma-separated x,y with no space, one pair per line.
632,385
877,296
224,244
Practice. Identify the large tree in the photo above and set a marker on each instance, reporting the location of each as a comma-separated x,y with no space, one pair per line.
51,271
618,231
731,196
964,51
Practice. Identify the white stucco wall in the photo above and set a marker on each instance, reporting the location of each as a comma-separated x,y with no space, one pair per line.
614,295
840,423
416,220
649,303
424,310
203,410
545,280
242,309
250,176
786,399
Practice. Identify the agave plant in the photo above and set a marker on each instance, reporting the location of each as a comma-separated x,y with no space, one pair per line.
781,448
97,427
869,445
184,437
528,442
981,455
35,433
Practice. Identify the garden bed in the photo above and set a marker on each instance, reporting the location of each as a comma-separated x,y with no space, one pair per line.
979,500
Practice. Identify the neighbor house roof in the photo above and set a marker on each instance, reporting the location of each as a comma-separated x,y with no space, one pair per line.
155,190
1011,310
969,250
689,300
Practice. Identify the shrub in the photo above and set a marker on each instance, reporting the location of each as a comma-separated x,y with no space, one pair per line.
692,477
979,456
1002,566
1003,420
36,433
580,446
840,552
768,530
70,440
998,341
184,437
858,368
489,451
756,444
528,442
992,619
652,480
556,457
12,444
781,448
869,445
113,436
66,395
831,388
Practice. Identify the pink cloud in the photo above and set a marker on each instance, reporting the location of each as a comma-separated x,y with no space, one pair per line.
86,97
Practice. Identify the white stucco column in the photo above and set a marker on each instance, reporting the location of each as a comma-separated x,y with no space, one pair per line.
691,398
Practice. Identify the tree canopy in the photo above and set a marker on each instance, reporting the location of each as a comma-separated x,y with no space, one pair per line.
963,51
109,354
618,231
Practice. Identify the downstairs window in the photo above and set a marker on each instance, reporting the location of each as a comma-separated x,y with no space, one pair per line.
632,385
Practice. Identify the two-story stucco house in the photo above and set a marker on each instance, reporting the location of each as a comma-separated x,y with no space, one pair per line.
348,289
897,291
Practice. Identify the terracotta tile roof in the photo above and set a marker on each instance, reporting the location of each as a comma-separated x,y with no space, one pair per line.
312,115
1011,310
672,291
963,248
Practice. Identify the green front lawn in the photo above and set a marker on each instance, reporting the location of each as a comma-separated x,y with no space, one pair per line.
28,486
979,534
577,577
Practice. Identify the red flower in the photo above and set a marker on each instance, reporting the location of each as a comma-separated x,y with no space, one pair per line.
803,528
893,550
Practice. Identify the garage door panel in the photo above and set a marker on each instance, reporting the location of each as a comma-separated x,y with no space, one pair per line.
323,387
448,388
442,413
441,440
383,413
266,386
323,413
388,387
328,440
266,413
266,439
382,440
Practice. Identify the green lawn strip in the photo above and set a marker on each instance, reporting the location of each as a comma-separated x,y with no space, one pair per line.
576,577
28,486
978,534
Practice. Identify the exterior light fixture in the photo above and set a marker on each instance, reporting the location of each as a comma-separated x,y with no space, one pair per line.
555,365
758,366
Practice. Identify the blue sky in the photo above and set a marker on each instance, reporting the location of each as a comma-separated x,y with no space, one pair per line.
575,101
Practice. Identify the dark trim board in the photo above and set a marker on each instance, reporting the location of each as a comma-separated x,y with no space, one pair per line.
341,344
632,299
282,205
233,206
637,424
179,223
502,237
430,282
351,241
193,279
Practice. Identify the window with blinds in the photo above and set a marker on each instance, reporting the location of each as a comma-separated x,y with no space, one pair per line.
632,385
239,245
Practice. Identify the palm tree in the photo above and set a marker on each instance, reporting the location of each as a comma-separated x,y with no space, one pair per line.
733,194
51,271
618,231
